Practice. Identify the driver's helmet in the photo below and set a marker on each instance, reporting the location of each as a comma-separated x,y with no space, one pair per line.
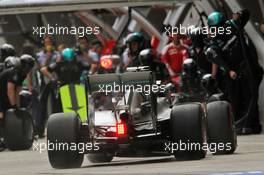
135,37
146,57
68,55
6,50
209,83
189,67
27,62
216,19
12,62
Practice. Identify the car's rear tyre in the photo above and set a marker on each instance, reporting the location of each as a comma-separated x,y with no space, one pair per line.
187,126
221,127
100,157
18,129
64,128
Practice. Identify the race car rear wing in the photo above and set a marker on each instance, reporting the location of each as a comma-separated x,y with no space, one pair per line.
137,78
98,83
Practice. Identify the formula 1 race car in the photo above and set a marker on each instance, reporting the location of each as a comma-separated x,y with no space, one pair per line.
129,115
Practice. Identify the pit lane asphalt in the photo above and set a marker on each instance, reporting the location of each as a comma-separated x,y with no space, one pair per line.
249,159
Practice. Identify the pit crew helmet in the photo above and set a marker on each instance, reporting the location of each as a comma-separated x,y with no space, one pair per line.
25,98
215,19
12,62
6,50
189,66
27,61
68,54
146,57
136,37
209,83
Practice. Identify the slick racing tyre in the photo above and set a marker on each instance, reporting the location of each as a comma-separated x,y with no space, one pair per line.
187,127
18,129
100,157
64,129
221,128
